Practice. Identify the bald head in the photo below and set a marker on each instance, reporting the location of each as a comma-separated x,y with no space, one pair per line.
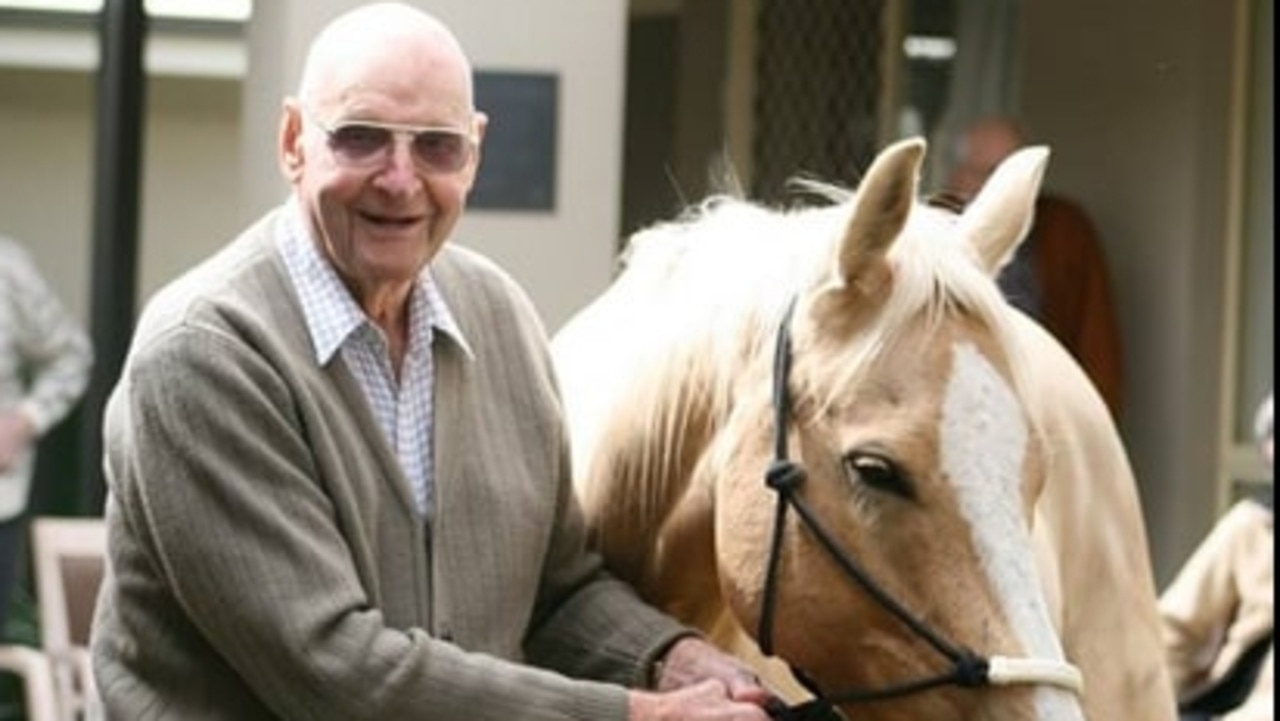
980,149
376,39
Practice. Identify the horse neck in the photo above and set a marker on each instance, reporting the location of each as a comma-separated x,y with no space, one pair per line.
677,417
649,452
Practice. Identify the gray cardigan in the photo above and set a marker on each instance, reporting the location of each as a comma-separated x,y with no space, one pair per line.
266,560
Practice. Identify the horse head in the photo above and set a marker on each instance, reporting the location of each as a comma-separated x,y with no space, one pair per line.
895,407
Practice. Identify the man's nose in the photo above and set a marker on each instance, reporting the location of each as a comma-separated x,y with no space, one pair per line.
400,166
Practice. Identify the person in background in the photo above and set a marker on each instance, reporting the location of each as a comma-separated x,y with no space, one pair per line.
1059,274
1218,614
45,358
338,471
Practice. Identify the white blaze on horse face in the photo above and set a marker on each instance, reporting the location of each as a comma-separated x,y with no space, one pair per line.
983,447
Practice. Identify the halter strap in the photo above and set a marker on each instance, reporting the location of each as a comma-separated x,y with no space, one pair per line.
967,668
782,473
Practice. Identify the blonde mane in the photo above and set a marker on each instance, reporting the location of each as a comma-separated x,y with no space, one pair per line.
716,283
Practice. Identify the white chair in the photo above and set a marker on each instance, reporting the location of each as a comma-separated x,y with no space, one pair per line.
33,668
68,557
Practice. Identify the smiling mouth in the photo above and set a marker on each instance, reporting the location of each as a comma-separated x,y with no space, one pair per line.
392,221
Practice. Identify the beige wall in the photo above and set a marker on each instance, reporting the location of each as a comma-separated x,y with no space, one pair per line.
46,139
1138,113
191,177
564,258
189,171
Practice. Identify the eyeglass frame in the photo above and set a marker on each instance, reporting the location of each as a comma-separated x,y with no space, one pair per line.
397,130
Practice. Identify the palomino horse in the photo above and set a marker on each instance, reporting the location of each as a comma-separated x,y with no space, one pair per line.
823,435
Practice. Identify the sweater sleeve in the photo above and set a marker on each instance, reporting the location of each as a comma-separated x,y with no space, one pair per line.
591,624
586,623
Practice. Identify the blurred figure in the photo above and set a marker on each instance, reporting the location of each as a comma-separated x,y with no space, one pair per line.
1059,274
44,368
1218,613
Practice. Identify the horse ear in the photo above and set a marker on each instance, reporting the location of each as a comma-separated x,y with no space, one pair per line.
999,217
880,208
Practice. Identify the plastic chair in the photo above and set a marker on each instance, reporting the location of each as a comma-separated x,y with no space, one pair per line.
69,555
36,672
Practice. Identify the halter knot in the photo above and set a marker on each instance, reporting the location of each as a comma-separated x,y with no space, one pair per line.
817,709
784,475
971,670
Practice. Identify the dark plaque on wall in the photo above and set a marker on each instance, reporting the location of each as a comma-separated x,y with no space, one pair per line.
518,164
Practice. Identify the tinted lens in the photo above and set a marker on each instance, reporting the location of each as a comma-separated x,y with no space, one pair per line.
441,150
359,143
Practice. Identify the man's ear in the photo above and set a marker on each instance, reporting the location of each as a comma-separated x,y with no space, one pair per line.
479,123
290,152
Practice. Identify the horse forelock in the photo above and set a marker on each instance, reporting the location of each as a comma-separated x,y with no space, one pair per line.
718,281
725,271
713,286
935,276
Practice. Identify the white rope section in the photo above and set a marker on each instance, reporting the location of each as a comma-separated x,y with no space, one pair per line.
1004,670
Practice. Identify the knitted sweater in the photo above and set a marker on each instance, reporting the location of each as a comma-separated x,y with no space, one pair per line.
265,556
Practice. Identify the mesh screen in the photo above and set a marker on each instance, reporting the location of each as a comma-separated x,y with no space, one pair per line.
818,84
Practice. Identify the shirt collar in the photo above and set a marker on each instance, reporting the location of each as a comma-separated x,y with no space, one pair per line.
331,313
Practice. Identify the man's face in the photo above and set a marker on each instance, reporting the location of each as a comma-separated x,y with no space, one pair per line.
380,215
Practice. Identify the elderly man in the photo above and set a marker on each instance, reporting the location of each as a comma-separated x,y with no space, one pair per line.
338,471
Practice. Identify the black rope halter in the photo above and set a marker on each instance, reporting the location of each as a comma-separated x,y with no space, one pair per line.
967,669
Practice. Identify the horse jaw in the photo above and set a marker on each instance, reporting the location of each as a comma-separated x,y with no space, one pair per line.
999,217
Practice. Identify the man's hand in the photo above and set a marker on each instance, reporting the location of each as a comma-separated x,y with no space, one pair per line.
692,660
16,434
705,701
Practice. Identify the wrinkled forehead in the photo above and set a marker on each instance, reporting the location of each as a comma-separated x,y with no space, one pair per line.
413,68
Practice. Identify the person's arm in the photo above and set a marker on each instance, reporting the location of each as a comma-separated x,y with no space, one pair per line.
1201,602
53,350
588,623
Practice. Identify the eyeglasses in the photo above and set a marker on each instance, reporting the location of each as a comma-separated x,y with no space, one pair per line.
365,144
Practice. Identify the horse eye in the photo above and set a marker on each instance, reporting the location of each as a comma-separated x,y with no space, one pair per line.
879,473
